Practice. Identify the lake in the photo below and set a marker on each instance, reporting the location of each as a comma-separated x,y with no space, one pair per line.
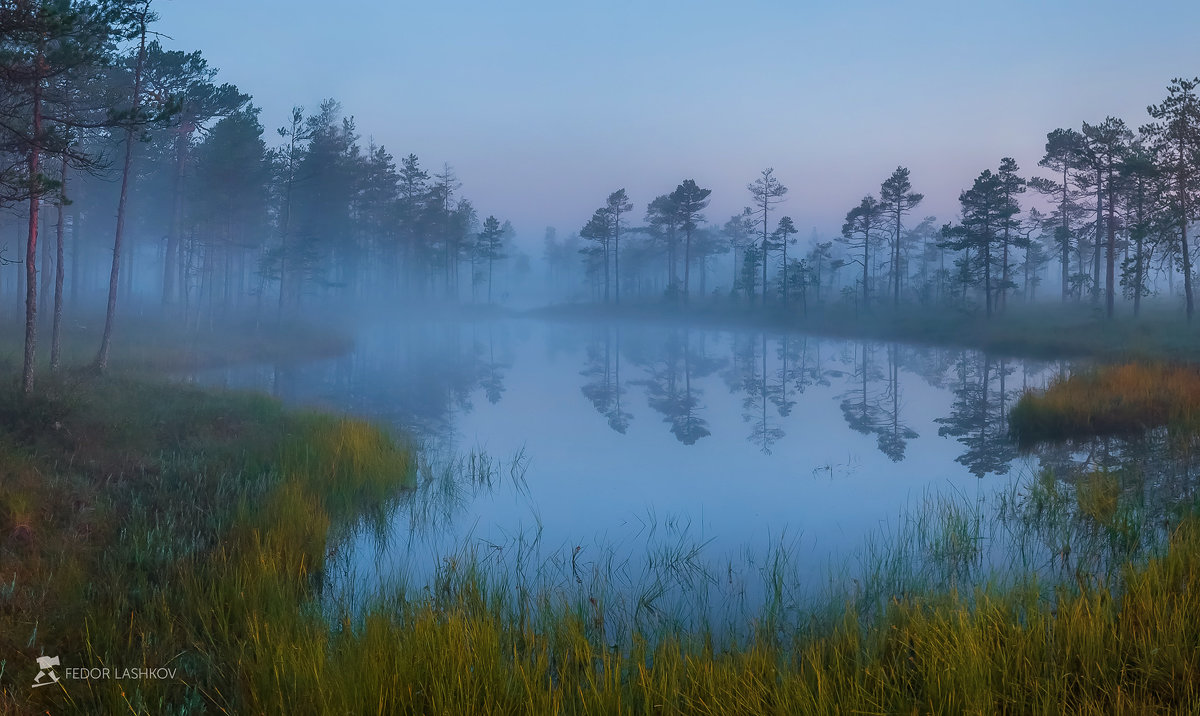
607,453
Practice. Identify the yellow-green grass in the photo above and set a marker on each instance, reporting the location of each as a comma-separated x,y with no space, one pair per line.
468,649
151,525
1124,399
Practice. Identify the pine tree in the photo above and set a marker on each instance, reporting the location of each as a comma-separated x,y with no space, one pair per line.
1177,137
897,196
1064,148
490,246
863,228
689,200
767,191
984,214
1010,227
1109,144
781,238
618,203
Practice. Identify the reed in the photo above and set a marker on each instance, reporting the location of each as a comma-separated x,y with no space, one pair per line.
201,534
1124,399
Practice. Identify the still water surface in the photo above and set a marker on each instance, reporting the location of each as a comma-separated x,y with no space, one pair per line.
609,441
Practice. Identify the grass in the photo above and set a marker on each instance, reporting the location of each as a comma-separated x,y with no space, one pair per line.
152,525
147,524
1124,399
471,644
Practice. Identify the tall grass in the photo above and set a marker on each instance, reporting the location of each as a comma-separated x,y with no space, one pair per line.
466,648
162,526
1124,399
202,534
966,606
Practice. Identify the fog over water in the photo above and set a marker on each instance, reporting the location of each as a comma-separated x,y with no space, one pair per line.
624,434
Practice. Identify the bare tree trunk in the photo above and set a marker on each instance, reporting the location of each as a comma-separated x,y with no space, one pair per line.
1110,258
785,281
1183,222
1066,239
987,278
896,261
31,272
35,197
606,281
616,259
866,263
287,216
172,255
1096,248
47,249
59,272
1003,302
687,262
1187,270
114,276
1138,279
76,223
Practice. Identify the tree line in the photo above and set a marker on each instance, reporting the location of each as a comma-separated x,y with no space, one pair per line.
1117,207
129,168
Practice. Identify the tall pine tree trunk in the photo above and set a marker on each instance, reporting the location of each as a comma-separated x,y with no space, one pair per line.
115,274
616,259
59,272
785,280
171,259
1187,269
1110,257
896,263
1065,239
76,223
1099,228
687,262
35,197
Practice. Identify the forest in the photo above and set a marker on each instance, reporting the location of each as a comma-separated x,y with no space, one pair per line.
288,425
116,148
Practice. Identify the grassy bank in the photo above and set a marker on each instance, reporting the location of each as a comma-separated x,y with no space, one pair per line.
149,525
152,525
468,651
1118,399
1046,331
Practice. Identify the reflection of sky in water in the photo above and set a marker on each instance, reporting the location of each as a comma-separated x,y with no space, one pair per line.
809,454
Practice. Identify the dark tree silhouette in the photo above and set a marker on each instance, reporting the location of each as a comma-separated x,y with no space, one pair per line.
863,229
1176,133
689,200
767,191
618,203
898,198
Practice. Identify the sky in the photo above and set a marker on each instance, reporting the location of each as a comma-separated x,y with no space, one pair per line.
544,108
